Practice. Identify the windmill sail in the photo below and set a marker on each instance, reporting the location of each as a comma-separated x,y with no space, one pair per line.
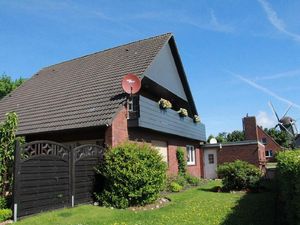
285,123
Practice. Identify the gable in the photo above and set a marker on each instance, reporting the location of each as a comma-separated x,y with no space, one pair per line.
163,71
271,143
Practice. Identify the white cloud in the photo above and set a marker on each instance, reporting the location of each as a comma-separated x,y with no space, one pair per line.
176,16
264,89
276,21
214,24
291,73
265,120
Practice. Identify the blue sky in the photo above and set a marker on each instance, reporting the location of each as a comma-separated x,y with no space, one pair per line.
238,55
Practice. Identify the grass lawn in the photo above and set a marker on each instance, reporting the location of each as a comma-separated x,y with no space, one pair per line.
194,206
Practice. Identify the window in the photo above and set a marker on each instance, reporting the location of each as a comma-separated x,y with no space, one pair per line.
211,158
269,153
264,140
162,148
191,158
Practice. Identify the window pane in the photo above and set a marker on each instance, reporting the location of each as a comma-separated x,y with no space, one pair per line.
190,154
211,159
269,153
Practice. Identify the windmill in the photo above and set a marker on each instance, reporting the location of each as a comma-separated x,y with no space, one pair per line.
286,123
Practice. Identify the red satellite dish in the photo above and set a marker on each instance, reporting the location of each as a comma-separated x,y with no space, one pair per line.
131,84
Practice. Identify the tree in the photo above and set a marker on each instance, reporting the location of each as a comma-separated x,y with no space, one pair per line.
281,137
224,137
235,136
7,84
210,137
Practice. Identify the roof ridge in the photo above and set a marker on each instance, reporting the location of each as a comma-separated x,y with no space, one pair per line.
108,49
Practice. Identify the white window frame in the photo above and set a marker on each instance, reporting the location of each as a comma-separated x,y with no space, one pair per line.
268,155
191,155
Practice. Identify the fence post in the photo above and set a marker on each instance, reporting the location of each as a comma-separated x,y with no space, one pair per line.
16,180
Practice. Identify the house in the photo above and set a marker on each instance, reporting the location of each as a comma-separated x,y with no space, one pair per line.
254,132
81,101
258,148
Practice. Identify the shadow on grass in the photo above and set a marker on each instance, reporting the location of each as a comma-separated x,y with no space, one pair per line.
211,189
254,209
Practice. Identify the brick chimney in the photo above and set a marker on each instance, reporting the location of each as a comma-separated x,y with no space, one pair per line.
250,128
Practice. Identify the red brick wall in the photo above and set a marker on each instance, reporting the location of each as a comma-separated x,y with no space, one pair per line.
251,153
254,132
194,170
201,152
118,131
172,160
261,155
173,142
271,143
250,128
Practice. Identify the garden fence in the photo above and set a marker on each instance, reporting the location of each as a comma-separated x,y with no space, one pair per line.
49,175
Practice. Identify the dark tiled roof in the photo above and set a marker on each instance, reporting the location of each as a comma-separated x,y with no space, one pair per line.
83,92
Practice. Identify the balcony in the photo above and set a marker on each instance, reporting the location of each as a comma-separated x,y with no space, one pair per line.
167,121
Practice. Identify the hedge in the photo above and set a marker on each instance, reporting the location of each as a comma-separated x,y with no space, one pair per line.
288,183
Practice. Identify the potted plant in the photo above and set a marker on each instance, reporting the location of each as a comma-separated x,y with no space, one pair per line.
182,112
196,119
164,104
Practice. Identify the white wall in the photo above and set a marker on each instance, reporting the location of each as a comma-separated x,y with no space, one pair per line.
164,72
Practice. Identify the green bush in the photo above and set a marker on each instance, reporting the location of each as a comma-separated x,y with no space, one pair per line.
193,181
184,181
288,183
239,175
177,179
175,187
8,139
5,214
181,161
3,203
134,174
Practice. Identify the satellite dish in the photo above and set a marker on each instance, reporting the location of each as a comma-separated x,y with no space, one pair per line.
131,84
213,141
